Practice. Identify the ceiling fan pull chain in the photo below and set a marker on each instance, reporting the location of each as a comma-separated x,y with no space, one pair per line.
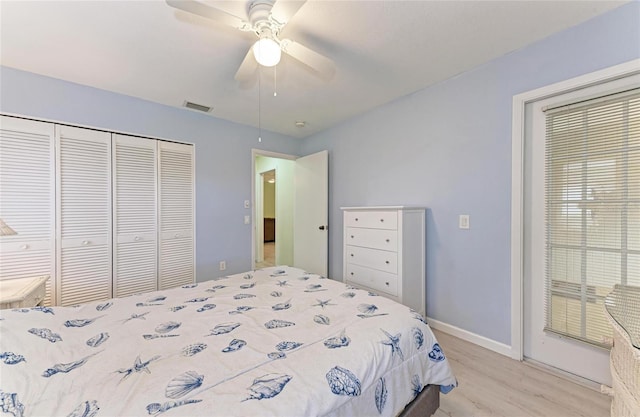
259,104
275,81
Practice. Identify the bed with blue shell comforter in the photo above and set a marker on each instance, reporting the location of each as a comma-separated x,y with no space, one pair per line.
276,341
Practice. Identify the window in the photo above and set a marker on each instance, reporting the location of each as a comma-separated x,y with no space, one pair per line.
592,210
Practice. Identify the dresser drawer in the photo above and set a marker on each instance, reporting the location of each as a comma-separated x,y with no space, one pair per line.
372,258
372,238
372,219
377,280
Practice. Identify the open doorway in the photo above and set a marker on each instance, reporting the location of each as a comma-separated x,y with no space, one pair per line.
273,202
269,217
301,209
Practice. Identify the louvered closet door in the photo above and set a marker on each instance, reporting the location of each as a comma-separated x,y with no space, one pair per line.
84,215
176,215
135,257
27,200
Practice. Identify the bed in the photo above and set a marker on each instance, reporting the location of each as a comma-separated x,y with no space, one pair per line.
276,341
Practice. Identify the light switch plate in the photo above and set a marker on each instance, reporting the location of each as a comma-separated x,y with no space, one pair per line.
247,204
463,221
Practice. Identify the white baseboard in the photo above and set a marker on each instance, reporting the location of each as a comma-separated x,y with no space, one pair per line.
476,339
596,386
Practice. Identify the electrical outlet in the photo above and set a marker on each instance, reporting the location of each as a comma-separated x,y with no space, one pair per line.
223,265
463,221
247,219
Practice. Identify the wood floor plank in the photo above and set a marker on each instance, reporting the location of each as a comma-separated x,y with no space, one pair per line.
491,384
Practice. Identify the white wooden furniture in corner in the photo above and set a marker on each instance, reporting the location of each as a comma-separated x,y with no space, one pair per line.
622,307
23,292
384,251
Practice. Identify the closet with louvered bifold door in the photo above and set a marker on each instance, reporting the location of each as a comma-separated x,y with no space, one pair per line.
135,255
103,214
84,253
176,179
27,195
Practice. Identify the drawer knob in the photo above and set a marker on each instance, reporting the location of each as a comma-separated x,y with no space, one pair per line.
176,235
382,220
387,240
137,238
352,273
386,262
351,236
352,255
356,219
386,283
24,247
85,242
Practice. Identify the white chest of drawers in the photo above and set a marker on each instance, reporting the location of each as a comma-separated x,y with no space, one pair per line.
384,251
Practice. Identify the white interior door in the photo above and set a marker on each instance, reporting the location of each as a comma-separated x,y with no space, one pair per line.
311,215
135,255
176,217
27,194
83,215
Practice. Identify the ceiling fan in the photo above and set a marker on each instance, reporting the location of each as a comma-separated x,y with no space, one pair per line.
266,19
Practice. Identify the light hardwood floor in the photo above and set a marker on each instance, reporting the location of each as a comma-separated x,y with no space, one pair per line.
491,384
269,256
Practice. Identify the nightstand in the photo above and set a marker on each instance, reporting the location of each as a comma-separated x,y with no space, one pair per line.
23,292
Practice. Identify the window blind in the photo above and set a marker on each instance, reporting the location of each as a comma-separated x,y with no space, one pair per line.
592,211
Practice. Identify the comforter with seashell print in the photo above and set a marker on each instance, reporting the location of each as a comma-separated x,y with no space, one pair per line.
276,341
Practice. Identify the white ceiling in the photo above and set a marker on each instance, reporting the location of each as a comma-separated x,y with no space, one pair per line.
382,50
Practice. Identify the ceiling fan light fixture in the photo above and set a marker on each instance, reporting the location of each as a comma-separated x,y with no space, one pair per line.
267,52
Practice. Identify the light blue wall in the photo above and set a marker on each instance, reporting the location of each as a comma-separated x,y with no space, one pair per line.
448,148
223,153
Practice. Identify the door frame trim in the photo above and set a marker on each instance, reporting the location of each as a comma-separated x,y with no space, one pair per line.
517,177
254,154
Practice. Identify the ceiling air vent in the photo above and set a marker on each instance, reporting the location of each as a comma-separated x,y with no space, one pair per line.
199,107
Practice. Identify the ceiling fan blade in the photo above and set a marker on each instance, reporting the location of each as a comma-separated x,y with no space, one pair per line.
208,12
283,10
319,63
246,73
